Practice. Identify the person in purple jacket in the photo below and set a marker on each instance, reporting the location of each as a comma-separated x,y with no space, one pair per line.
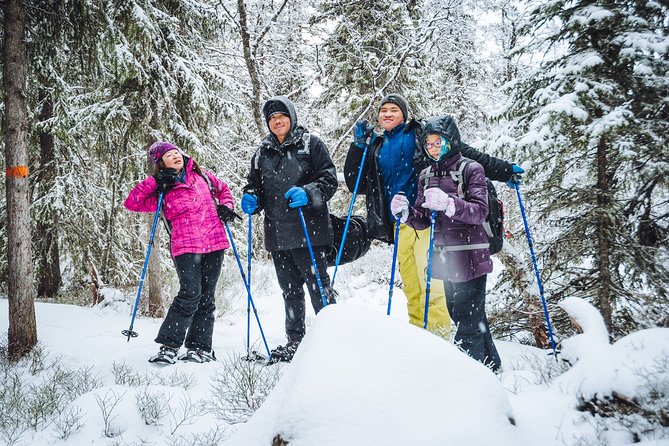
196,204
461,256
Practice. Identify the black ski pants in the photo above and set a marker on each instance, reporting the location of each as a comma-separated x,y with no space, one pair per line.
466,304
191,315
293,269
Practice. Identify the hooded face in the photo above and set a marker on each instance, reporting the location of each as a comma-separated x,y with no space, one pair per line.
436,146
275,107
279,125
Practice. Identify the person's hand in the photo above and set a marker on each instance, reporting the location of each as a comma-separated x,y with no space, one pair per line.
364,133
226,214
297,197
165,179
399,206
438,200
516,176
249,203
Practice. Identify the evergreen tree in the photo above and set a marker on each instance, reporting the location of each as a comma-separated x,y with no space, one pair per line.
594,118
376,48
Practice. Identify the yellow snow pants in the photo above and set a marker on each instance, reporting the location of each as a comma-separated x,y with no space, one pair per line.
412,254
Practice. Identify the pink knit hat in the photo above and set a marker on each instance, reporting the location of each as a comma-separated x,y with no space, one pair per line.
160,148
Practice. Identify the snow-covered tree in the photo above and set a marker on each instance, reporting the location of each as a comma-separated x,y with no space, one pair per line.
594,118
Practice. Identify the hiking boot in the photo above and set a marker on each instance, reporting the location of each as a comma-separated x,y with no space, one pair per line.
166,355
198,355
285,353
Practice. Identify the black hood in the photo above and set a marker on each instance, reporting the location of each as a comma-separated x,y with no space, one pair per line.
280,104
446,127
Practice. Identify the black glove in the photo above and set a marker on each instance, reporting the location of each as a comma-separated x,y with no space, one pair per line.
226,214
165,179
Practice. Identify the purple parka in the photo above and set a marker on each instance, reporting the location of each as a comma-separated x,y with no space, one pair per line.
453,260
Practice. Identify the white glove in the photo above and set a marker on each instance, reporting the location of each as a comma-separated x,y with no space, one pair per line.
438,200
400,206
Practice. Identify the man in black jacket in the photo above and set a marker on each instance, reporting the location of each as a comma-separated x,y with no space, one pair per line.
292,169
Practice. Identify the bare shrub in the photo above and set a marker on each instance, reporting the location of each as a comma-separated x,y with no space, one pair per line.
152,405
107,405
212,438
185,414
239,388
68,422
37,391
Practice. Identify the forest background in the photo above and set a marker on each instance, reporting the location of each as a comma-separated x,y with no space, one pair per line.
577,91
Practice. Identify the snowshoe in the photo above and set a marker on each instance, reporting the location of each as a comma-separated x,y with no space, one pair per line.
198,355
284,353
166,355
254,356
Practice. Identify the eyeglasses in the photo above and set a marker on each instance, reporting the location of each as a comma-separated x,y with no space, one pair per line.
437,143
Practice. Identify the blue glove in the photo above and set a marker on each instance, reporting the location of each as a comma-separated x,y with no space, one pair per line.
516,176
297,197
249,203
364,134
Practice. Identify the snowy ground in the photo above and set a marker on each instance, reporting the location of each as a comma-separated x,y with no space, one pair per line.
359,378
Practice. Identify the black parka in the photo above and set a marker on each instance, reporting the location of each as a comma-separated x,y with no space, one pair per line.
371,183
275,168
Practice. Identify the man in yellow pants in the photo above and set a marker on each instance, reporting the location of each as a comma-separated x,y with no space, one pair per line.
391,166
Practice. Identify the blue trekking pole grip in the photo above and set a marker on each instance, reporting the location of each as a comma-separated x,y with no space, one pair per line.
129,332
536,269
313,258
392,268
433,217
350,211
249,298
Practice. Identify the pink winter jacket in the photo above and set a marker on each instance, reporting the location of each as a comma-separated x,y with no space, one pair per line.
191,210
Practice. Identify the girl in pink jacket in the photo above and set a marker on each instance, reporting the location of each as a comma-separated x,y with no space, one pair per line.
196,208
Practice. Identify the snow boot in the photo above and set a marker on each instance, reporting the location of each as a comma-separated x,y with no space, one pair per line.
198,355
166,355
285,353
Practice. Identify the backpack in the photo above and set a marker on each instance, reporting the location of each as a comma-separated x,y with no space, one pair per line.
494,222
357,240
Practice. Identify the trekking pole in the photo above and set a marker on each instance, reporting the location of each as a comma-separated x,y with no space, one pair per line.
313,258
433,217
392,268
249,298
248,291
348,217
129,332
536,270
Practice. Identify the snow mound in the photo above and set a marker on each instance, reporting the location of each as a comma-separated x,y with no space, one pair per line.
628,367
411,381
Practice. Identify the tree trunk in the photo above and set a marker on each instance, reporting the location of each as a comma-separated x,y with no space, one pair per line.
523,281
604,289
49,278
155,306
251,66
22,333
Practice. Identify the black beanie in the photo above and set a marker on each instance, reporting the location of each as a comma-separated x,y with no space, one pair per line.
274,106
399,101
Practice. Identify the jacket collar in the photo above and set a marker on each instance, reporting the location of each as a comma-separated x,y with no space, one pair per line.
396,130
449,163
292,138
